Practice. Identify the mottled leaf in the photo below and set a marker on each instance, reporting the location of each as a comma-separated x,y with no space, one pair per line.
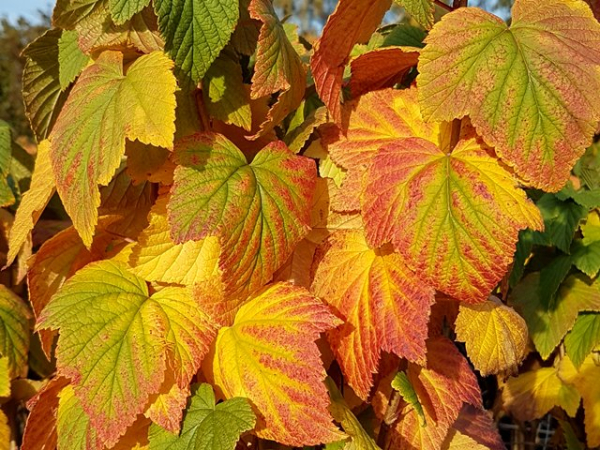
279,367
385,306
420,10
455,217
117,362
259,211
106,106
532,89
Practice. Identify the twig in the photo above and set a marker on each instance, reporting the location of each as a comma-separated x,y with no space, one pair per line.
443,5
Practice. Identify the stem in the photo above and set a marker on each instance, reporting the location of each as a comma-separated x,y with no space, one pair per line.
391,415
442,5
455,134
459,4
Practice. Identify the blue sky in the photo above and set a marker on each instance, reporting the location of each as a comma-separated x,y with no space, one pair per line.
26,8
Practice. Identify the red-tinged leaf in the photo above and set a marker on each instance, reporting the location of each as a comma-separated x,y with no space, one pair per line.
473,430
115,339
352,22
278,67
109,103
57,260
278,366
40,429
73,427
532,89
259,211
210,294
376,119
167,408
443,386
381,68
385,305
455,217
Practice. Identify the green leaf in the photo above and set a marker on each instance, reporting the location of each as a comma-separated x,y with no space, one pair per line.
552,275
70,58
531,89
584,197
403,385
263,206
42,94
404,35
561,220
123,10
196,31
420,10
106,106
114,340
549,323
207,426
226,97
583,338
524,247
586,257
588,166
14,332
570,437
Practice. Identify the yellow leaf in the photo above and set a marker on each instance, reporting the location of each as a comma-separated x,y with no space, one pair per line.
157,258
33,203
5,434
531,395
495,335
269,356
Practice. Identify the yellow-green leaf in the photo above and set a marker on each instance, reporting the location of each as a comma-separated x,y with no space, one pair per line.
115,338
14,332
106,106
532,89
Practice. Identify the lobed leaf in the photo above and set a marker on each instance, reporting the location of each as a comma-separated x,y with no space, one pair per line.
259,211
385,306
196,31
106,106
455,217
206,425
495,336
531,88
269,356
114,340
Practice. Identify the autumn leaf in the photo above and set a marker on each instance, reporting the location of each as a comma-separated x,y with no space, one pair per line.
14,332
259,211
73,426
278,367
586,382
473,430
377,119
40,428
57,260
278,66
166,410
206,425
443,386
33,202
385,305
196,31
71,59
549,322
352,22
531,88
42,92
156,257
381,68
466,200
341,412
534,393
131,342
495,336
420,10
86,147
